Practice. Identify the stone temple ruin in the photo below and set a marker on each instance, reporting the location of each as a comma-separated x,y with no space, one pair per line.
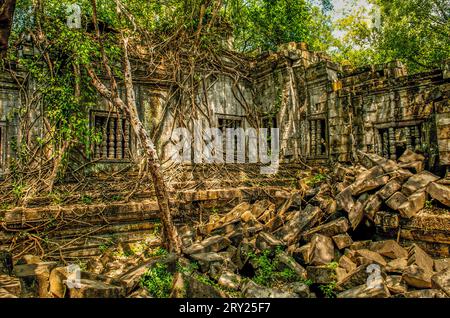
325,112
380,130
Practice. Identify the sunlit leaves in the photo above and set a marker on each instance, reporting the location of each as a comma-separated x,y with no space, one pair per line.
265,24
417,32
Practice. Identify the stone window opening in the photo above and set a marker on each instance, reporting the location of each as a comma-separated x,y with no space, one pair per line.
115,132
269,123
395,140
318,138
318,108
223,123
2,144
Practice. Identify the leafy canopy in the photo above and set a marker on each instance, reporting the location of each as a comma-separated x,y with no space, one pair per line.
417,32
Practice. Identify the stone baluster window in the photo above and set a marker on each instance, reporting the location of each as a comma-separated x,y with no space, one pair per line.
318,138
115,137
229,122
395,140
2,144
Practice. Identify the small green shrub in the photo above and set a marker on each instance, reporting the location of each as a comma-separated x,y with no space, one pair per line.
329,290
159,251
287,275
18,189
188,269
333,265
312,181
55,197
86,199
214,210
156,228
206,280
307,282
158,281
429,204
116,197
5,206
267,272
103,247
265,268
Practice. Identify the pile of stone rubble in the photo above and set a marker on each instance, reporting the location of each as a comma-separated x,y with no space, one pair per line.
403,186
315,229
309,234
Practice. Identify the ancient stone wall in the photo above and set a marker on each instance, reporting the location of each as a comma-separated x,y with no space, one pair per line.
335,112
324,112
392,111
9,96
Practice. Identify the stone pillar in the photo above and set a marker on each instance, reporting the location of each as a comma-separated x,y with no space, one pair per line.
119,139
111,136
104,153
417,135
98,151
408,131
312,129
318,138
392,143
385,143
2,136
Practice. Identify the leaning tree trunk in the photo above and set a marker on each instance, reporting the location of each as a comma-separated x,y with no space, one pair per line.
172,241
129,108
169,229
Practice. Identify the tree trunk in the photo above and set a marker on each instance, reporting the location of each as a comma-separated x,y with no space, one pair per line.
172,240
129,108
7,8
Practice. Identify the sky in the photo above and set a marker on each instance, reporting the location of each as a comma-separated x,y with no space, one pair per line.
343,8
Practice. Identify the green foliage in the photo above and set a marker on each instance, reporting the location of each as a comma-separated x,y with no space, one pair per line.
86,199
429,204
265,268
82,264
5,206
159,251
318,178
288,275
214,210
333,265
189,268
267,272
416,32
158,281
105,246
157,228
117,197
206,280
265,24
18,189
58,51
329,290
307,282
55,197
